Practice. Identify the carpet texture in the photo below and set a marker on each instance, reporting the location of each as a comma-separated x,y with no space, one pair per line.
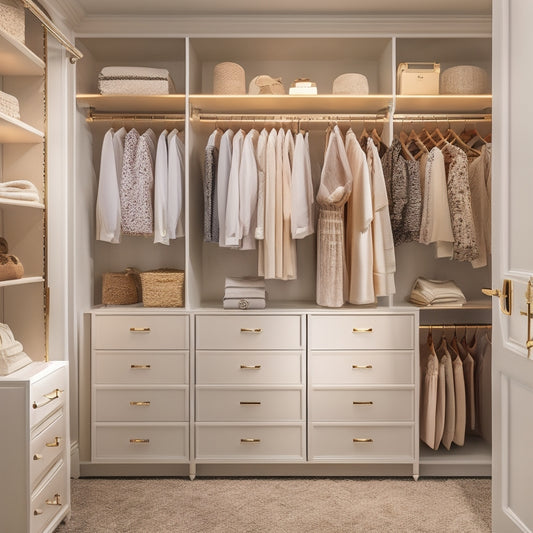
279,505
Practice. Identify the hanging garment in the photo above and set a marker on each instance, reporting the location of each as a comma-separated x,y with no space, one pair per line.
175,185
161,191
429,375
180,141
469,375
261,153
335,187
460,399
108,217
248,179
289,245
384,260
440,417
278,213
484,385
302,197
449,418
269,249
359,254
210,180
232,225
413,208
223,172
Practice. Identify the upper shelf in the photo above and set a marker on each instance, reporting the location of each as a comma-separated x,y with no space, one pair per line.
16,131
110,103
18,60
443,103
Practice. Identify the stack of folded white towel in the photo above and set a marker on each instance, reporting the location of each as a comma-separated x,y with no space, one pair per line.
245,293
9,105
22,190
134,80
438,293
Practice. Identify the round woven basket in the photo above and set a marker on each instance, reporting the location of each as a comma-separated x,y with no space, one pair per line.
464,79
350,83
228,78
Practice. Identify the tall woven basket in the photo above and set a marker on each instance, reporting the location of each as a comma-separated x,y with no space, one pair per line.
163,288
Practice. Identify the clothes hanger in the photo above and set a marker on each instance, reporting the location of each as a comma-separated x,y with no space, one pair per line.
453,138
429,340
453,342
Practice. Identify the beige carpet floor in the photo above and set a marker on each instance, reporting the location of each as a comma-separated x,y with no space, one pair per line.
281,505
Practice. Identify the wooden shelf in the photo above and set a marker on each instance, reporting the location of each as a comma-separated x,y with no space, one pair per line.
470,304
443,103
16,204
109,103
16,131
21,281
18,60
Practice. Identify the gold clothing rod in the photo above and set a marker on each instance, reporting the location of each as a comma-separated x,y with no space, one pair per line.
458,326
266,117
95,117
468,117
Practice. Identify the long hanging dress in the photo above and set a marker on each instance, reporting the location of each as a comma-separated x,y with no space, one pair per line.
261,152
280,140
270,208
335,188
289,245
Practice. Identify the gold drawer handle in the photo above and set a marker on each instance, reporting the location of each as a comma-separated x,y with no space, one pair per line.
50,397
138,330
251,440
362,330
37,512
54,444
55,501
363,403
139,441
361,366
139,367
362,440
251,367
251,330
37,456
140,404
250,403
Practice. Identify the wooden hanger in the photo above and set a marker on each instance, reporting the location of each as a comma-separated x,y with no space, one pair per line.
456,140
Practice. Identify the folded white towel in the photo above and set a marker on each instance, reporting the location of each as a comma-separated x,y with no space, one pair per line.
245,282
19,190
435,292
244,292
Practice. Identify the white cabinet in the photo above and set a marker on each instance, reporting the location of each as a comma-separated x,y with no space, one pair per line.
35,448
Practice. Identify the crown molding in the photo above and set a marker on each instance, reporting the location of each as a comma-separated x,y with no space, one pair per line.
68,13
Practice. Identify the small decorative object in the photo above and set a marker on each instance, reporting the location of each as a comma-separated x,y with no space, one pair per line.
464,79
12,19
418,78
12,355
303,86
350,83
266,85
10,265
121,288
228,78
163,288
426,292
9,105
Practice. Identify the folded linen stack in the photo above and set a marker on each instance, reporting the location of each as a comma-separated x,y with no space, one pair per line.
12,355
244,293
134,80
427,292
9,105
22,190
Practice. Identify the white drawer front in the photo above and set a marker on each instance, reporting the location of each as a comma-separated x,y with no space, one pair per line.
361,442
140,368
361,332
248,405
248,332
249,368
47,446
361,368
141,443
141,405
141,332
362,405
250,443
48,394
50,499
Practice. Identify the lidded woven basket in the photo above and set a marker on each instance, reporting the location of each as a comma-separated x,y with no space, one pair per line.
228,78
464,79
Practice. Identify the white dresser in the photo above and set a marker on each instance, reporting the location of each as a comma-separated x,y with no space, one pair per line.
140,391
35,448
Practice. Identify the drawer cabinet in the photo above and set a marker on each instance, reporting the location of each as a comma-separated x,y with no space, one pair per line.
35,448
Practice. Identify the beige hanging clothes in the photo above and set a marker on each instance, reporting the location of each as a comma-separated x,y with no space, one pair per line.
260,155
449,418
429,375
289,245
460,399
280,139
269,248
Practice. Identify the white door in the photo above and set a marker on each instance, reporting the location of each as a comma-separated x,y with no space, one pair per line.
512,258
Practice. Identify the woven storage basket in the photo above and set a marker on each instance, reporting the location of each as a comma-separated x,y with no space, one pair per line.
121,288
12,19
228,78
350,83
163,288
464,79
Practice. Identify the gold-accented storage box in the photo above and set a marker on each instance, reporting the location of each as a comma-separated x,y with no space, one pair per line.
12,19
418,78
163,288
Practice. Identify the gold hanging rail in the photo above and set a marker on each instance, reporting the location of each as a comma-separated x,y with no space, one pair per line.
53,29
93,116
457,326
442,117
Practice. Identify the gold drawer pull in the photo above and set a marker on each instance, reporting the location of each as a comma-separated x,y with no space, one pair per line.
37,456
251,367
137,330
140,404
55,501
140,367
362,440
54,444
37,512
362,330
363,403
250,403
361,366
251,330
251,440
51,396
139,441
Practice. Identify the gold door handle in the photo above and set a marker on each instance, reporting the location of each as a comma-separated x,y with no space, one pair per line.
140,404
251,440
37,512
55,501
250,403
362,330
363,403
138,330
37,456
529,301
51,396
251,367
139,441
361,366
251,330
362,440
505,296
54,444
140,367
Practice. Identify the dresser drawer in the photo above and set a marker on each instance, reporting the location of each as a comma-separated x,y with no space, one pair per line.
248,405
248,332
374,405
141,332
47,446
141,405
140,367
141,443
250,443
50,499
248,367
360,442
361,368
48,394
361,332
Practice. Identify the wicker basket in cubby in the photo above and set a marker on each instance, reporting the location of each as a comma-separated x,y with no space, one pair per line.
163,288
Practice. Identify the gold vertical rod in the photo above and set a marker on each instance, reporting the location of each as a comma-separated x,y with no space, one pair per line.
46,295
